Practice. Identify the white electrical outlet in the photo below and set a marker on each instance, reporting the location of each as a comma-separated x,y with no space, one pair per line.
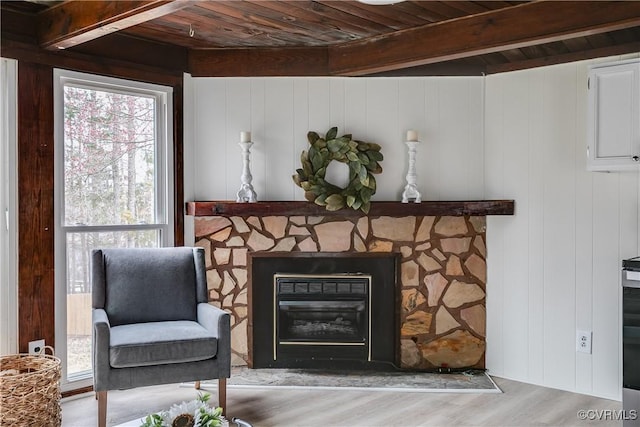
35,347
583,341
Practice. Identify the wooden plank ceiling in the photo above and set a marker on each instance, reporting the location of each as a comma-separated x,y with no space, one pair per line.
339,37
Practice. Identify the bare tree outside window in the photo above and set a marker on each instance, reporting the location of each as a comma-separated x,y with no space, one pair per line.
109,158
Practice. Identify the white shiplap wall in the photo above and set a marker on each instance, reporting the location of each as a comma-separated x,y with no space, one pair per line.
554,267
446,112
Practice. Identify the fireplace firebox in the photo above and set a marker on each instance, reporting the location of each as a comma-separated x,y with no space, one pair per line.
326,310
323,310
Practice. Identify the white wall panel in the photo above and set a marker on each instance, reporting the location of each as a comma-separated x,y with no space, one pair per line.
383,128
606,273
569,234
355,111
454,153
279,139
188,156
259,167
584,241
280,111
559,228
429,179
301,124
238,118
337,104
496,226
535,203
515,333
474,150
209,148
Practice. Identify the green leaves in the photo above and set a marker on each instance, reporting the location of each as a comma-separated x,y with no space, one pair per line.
316,159
332,133
334,202
312,137
363,175
375,155
210,417
334,145
153,420
354,157
363,159
203,397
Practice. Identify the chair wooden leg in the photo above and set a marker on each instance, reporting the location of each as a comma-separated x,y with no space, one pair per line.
197,385
102,408
222,394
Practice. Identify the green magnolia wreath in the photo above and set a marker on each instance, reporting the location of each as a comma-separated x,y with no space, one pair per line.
363,159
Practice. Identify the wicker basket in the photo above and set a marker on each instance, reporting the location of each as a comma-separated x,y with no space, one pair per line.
30,390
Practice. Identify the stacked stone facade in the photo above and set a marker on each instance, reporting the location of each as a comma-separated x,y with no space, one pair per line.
443,274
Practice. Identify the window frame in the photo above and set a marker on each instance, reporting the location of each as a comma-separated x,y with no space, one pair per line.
163,182
9,204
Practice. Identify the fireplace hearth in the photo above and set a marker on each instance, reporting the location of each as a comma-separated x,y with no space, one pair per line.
325,310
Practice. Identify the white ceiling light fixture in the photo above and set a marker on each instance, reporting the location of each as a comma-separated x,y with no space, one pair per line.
380,2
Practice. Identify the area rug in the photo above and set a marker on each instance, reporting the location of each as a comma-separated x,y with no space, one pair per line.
471,381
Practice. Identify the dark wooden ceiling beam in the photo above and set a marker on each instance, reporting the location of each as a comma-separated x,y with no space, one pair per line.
519,26
89,63
73,22
620,49
311,61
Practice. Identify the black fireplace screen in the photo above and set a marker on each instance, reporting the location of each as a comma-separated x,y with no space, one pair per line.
321,310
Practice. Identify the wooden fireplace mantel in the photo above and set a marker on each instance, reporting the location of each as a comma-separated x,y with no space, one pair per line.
284,208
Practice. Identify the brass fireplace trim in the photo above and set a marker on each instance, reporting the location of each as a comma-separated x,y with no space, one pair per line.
322,276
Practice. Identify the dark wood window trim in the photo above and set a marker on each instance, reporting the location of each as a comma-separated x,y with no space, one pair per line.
35,205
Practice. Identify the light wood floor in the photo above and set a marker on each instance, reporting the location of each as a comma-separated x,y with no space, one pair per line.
520,405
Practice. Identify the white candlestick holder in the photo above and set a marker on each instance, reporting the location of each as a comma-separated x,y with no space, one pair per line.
246,192
411,190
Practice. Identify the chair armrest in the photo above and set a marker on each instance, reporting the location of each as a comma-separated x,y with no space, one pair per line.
218,322
214,319
101,342
101,328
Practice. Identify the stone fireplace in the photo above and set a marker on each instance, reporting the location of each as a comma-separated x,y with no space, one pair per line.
438,318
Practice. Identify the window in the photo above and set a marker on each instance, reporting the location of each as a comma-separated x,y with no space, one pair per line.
113,189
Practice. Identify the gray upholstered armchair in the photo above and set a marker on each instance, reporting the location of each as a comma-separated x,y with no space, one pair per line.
152,323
